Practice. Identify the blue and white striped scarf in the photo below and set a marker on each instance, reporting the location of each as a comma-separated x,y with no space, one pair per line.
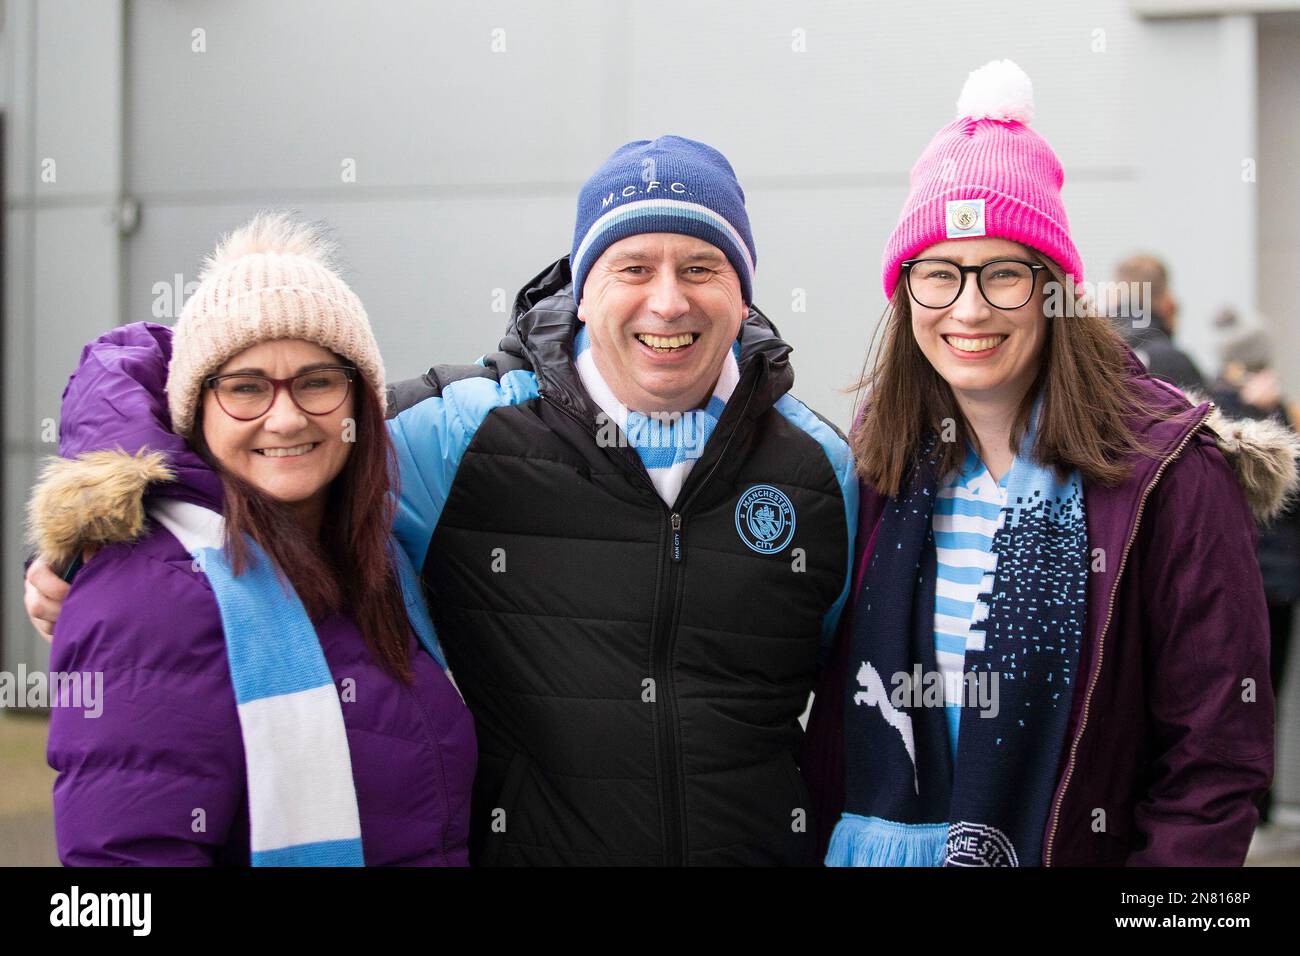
301,799
668,444
908,800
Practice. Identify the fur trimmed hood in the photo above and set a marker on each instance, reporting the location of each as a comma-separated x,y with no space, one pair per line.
1263,455
116,446
90,502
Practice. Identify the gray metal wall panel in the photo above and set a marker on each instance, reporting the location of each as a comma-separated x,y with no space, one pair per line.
78,92
426,270
413,92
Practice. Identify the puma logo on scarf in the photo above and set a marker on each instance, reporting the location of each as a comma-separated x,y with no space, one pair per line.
875,696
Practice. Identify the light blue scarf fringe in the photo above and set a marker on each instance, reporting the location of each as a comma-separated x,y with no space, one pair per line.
871,841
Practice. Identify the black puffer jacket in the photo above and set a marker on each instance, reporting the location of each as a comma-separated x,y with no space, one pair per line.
636,671
1162,358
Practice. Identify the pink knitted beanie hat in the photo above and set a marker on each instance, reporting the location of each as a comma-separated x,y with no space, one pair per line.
272,278
986,174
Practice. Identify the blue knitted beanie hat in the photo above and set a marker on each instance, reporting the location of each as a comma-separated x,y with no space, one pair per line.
670,184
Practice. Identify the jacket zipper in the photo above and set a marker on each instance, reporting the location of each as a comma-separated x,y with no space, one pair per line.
671,779
436,747
1101,640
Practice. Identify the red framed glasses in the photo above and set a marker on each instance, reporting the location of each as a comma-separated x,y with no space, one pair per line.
245,396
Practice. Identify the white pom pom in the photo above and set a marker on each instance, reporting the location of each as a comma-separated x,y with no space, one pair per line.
999,90
273,231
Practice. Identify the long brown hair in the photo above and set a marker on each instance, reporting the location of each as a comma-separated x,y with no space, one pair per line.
348,567
1088,402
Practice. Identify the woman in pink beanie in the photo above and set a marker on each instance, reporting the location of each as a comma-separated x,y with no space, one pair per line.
1055,652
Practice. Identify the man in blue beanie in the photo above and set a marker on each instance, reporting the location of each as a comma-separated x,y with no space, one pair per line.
675,528
637,543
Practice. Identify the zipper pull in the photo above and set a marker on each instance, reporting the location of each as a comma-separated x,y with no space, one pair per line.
676,522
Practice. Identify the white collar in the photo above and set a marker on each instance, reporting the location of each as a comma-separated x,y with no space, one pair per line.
194,526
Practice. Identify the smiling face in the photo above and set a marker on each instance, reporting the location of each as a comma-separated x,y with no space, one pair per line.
661,310
286,453
984,354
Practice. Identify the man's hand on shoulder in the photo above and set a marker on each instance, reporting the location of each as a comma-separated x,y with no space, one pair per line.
43,595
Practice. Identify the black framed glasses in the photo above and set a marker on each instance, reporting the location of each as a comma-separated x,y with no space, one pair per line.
244,396
1004,283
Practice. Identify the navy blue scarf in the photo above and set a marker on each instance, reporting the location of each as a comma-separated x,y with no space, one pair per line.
906,803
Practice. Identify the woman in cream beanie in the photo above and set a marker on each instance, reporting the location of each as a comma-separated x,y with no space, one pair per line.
281,672
271,279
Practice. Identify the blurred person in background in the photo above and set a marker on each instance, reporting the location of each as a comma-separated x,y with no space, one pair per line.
1248,387
1152,321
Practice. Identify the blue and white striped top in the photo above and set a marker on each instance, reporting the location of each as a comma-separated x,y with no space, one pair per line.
967,514
669,444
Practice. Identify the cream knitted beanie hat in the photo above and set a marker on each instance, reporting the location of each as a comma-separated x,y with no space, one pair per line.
272,278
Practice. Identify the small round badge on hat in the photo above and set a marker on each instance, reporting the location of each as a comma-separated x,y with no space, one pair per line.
965,218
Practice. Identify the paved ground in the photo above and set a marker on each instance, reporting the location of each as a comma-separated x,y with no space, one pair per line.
1277,845
27,827
26,824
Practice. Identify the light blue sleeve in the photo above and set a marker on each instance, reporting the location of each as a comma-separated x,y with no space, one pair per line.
841,460
431,438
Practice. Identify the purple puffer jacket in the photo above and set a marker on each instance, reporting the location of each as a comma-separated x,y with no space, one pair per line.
1170,738
168,742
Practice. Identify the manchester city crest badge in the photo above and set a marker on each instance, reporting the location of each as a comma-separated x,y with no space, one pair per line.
765,519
